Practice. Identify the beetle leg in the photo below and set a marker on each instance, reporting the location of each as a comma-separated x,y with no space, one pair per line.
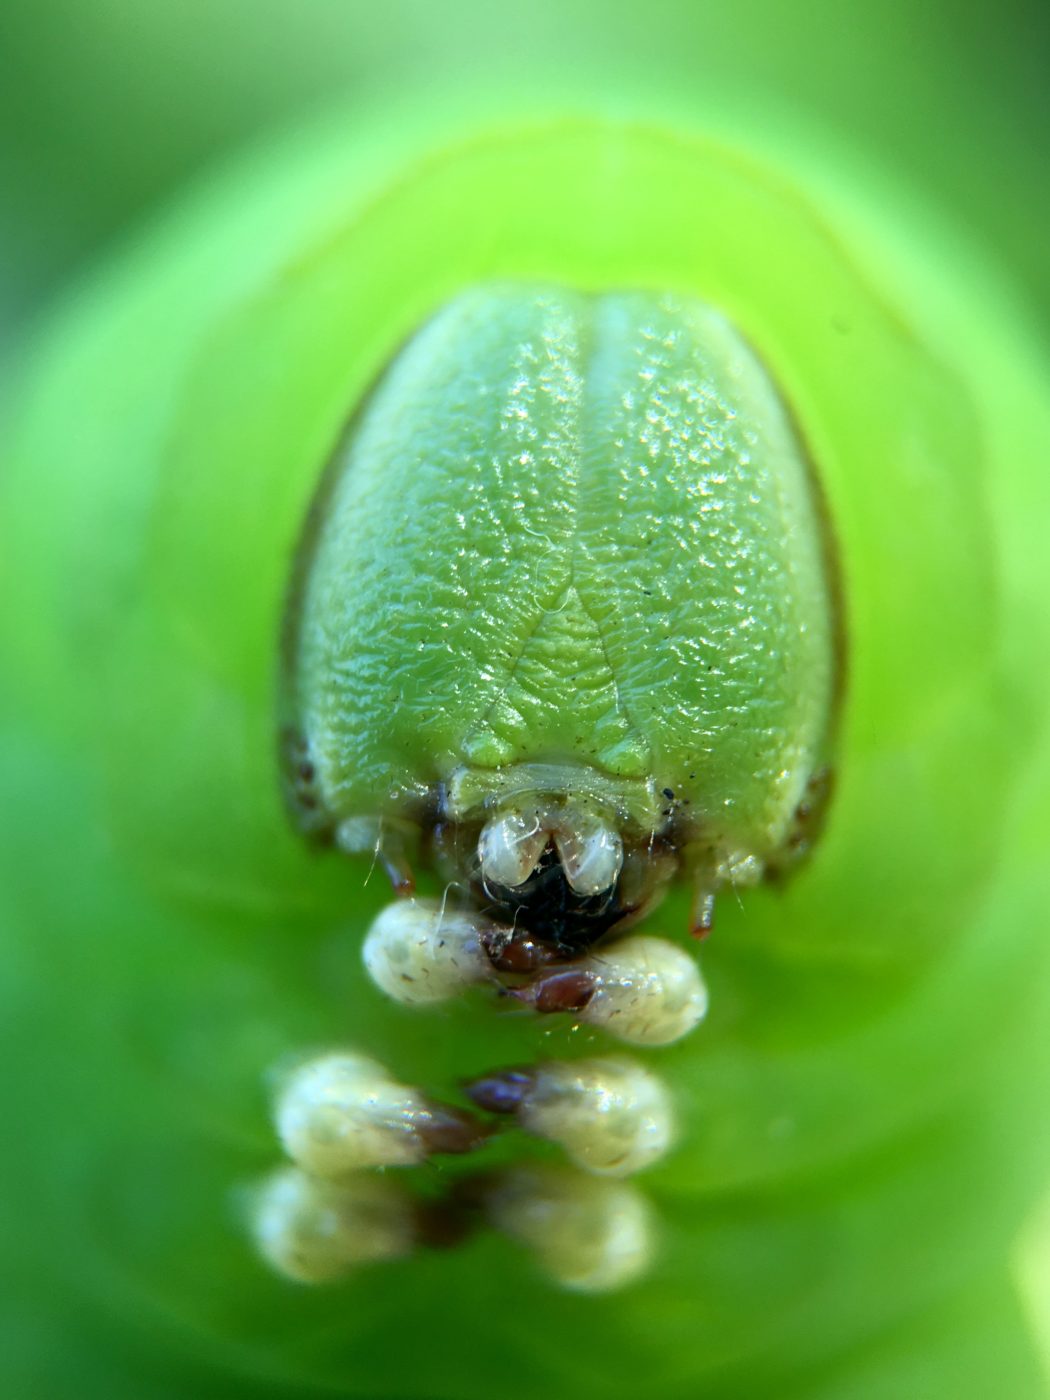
568,989
343,1111
611,1116
420,950
703,914
316,1231
386,842
588,1235
518,951
643,990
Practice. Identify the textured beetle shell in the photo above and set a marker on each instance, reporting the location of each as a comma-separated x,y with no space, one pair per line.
571,528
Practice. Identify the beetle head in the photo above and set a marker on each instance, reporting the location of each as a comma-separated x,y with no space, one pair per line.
558,851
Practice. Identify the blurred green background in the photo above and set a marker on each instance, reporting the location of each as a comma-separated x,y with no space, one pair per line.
106,105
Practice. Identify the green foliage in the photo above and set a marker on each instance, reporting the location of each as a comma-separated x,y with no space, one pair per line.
865,1128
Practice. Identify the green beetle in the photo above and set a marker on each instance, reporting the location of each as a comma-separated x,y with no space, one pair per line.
570,553
566,606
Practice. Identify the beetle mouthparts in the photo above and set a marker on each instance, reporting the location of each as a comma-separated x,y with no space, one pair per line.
589,849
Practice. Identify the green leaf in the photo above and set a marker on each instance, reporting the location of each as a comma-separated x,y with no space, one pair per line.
864,1110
